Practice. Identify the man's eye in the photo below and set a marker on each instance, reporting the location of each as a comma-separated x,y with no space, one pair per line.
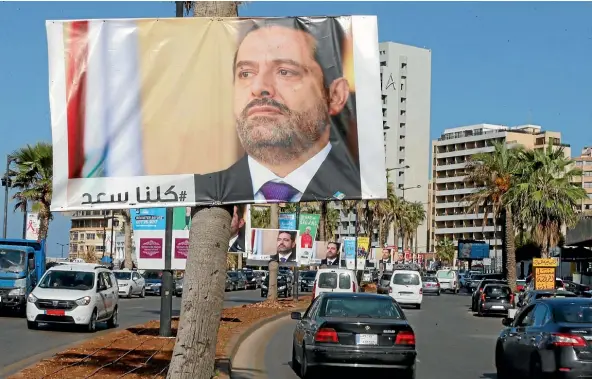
284,72
244,74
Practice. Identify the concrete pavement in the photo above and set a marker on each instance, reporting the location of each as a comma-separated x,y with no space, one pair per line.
22,347
451,342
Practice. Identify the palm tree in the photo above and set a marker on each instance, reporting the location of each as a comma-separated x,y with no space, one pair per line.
197,334
494,175
546,196
417,216
260,217
31,175
445,251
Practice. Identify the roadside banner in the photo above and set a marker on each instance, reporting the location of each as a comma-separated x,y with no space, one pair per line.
287,221
139,112
273,244
307,228
32,231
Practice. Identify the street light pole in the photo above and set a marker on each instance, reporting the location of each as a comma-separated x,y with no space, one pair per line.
63,245
6,183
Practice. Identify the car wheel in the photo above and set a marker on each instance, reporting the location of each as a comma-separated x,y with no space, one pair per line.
143,293
295,364
536,368
408,373
438,293
91,327
113,322
32,325
234,287
129,294
262,294
305,371
503,372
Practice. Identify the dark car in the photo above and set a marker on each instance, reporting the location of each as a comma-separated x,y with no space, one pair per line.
479,289
307,280
579,289
532,296
353,330
238,281
384,283
431,285
153,280
549,338
283,286
495,299
252,280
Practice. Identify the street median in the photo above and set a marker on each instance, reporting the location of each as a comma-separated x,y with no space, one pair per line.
139,352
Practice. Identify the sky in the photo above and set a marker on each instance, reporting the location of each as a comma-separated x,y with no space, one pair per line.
506,63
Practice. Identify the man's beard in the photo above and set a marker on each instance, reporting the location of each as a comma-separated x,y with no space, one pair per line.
281,141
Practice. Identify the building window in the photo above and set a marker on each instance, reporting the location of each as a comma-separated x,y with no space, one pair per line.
588,185
587,173
402,125
403,65
403,100
383,112
90,236
383,63
403,112
540,141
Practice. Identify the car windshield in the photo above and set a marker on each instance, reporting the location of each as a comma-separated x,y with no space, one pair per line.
406,279
122,275
497,291
445,275
386,277
12,260
309,274
69,280
520,282
232,274
280,278
360,307
573,313
153,275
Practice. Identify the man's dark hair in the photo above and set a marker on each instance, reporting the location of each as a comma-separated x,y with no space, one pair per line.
292,234
333,243
328,36
240,210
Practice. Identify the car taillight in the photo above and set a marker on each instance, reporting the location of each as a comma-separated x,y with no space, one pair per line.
354,286
482,297
421,291
314,289
565,339
438,284
390,290
405,337
326,335
512,298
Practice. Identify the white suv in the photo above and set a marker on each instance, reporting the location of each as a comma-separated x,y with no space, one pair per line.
130,283
79,293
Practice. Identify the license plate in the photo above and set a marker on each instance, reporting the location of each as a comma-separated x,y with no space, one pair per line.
366,339
405,293
54,312
497,307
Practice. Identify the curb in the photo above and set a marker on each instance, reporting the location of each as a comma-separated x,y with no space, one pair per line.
224,365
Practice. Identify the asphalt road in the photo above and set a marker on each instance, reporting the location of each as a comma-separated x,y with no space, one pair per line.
21,347
451,342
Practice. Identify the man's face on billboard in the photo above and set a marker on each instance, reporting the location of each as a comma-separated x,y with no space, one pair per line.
386,254
331,251
280,103
284,243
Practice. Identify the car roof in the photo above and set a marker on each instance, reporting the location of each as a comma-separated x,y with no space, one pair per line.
321,270
83,267
353,295
499,284
564,300
406,272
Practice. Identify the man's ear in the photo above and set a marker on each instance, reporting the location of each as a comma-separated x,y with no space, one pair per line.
241,223
338,95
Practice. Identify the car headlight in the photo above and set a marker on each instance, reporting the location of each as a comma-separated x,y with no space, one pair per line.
157,285
83,300
282,288
123,284
263,286
32,298
17,292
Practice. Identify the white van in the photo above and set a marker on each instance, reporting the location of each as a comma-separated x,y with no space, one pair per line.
334,280
406,288
449,280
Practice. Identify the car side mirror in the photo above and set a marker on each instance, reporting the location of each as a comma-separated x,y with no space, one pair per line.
506,321
296,316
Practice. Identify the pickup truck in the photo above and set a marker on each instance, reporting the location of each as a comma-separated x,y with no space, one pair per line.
22,264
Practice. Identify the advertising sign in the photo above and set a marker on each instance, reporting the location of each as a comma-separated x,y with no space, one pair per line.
544,273
139,111
325,253
150,223
349,250
287,221
32,231
273,244
307,228
469,249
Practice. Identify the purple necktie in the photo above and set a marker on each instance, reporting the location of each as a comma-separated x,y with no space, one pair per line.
279,192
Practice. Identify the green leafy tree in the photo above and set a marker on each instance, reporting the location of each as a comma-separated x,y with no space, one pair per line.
445,251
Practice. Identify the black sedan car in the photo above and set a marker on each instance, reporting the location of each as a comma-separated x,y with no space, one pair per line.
306,280
548,338
353,330
284,287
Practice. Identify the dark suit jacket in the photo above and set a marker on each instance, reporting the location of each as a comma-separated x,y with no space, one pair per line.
337,173
291,257
335,262
238,245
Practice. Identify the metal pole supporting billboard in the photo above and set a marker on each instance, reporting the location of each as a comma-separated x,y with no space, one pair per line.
166,291
296,271
6,183
25,221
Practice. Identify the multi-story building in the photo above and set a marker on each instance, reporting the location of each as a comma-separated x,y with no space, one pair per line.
451,153
91,231
406,91
584,162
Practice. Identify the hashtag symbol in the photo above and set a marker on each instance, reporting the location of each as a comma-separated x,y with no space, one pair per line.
183,195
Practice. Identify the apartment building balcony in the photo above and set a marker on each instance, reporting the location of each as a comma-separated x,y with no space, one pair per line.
91,214
470,229
462,216
451,179
456,191
451,204
458,153
489,134
454,166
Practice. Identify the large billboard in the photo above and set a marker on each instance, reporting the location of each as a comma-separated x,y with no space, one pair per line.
149,226
200,111
273,244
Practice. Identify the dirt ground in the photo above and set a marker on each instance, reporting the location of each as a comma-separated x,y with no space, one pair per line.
139,352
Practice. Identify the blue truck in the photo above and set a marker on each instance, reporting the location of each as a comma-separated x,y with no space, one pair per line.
22,264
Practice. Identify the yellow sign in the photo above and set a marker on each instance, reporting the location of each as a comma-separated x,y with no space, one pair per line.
544,278
544,262
364,242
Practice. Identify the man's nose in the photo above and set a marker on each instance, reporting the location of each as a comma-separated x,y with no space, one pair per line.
263,85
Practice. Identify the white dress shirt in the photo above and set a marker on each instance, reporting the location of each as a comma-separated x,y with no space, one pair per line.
330,262
299,178
284,256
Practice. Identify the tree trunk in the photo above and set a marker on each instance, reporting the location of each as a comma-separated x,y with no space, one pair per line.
495,241
127,231
44,217
205,272
416,241
203,297
510,249
323,222
274,264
